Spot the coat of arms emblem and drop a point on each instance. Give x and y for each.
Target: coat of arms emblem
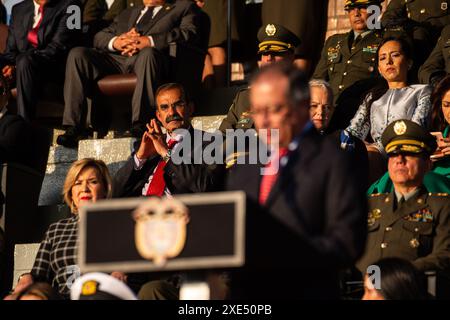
(160, 231)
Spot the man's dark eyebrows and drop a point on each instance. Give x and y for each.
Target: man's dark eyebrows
(163, 105)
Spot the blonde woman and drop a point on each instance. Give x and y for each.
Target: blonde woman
(88, 180)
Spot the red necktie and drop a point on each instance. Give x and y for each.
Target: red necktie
(32, 34)
(157, 185)
(271, 176)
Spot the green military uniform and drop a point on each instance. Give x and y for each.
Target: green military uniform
(413, 226)
(273, 38)
(431, 14)
(438, 63)
(348, 63)
(418, 231)
(238, 116)
(341, 66)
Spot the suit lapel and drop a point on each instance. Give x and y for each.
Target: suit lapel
(48, 15)
(133, 16)
(161, 13)
(345, 47)
(28, 16)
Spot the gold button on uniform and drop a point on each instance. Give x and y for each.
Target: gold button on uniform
(384, 245)
(341, 87)
(345, 73)
(422, 11)
(349, 61)
(388, 229)
(414, 243)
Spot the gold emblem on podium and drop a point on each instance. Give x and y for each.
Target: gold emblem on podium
(160, 231)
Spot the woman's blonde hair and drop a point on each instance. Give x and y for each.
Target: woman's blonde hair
(75, 171)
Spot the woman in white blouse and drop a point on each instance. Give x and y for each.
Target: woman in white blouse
(394, 98)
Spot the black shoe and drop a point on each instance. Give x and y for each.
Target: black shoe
(71, 138)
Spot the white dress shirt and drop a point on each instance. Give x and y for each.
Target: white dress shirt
(109, 3)
(37, 14)
(152, 43)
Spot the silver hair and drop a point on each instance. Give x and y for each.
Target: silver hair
(324, 85)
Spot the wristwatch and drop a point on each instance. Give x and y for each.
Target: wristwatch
(167, 156)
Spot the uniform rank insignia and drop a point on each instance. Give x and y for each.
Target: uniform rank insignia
(423, 215)
(374, 215)
(333, 53)
(371, 49)
(245, 118)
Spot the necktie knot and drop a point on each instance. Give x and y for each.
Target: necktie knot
(171, 143)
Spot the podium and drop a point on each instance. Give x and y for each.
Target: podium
(183, 233)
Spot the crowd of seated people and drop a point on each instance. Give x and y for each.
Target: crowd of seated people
(359, 175)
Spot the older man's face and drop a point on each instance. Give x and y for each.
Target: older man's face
(173, 111)
(358, 18)
(408, 169)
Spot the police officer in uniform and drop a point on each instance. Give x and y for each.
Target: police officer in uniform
(276, 43)
(348, 58)
(433, 15)
(437, 65)
(408, 223)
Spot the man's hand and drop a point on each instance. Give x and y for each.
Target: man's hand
(153, 142)
(137, 45)
(126, 39)
(157, 137)
(8, 71)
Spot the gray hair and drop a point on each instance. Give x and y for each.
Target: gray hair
(324, 85)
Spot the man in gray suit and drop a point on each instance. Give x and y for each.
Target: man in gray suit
(137, 41)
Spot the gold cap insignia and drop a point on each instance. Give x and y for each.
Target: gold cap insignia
(400, 128)
(89, 288)
(271, 30)
(444, 6)
(160, 231)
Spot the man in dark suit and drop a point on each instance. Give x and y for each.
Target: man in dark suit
(151, 169)
(306, 214)
(99, 14)
(137, 41)
(37, 44)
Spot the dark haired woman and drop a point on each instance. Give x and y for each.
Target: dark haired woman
(394, 98)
